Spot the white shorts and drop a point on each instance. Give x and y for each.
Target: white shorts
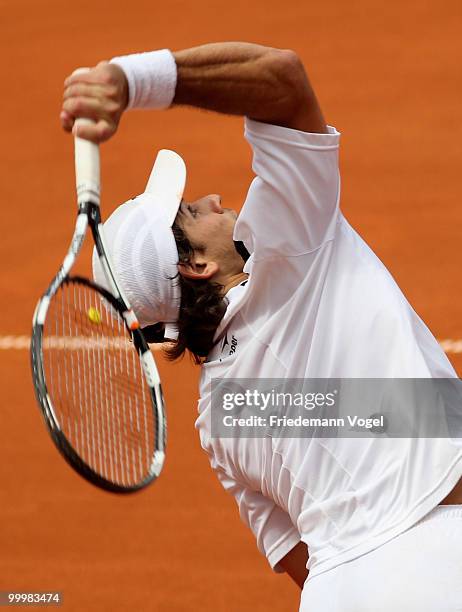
(418, 571)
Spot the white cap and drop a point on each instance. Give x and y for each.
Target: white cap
(142, 248)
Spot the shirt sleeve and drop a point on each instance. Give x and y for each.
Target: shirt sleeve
(292, 204)
(272, 527)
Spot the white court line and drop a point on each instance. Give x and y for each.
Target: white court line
(8, 343)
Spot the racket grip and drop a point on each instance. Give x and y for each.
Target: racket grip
(87, 168)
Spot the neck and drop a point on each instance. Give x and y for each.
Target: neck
(234, 280)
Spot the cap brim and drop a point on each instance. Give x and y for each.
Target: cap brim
(166, 183)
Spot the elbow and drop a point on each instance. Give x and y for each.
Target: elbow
(290, 82)
(290, 65)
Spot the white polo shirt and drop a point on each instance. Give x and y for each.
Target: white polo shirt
(319, 304)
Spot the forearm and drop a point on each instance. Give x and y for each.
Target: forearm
(238, 79)
(262, 83)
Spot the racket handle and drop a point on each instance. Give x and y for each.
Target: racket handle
(87, 168)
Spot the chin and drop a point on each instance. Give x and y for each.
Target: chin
(232, 212)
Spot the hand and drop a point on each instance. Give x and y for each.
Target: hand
(101, 94)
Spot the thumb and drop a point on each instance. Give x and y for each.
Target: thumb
(97, 132)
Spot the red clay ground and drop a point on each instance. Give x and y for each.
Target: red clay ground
(387, 78)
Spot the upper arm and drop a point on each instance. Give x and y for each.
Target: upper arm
(298, 107)
(292, 206)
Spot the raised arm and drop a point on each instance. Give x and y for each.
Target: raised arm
(262, 83)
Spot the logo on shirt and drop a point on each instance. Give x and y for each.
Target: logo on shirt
(229, 347)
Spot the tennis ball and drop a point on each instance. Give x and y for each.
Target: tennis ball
(94, 315)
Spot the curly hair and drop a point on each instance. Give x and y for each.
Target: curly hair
(202, 307)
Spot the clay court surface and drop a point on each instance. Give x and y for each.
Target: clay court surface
(387, 76)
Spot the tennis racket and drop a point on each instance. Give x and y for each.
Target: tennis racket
(95, 378)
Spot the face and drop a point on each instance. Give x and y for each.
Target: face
(209, 227)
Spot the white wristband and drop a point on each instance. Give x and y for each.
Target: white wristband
(151, 78)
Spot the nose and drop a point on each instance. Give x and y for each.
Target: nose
(215, 203)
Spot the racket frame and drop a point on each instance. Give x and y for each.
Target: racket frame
(87, 174)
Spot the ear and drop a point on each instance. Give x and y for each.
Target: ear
(198, 270)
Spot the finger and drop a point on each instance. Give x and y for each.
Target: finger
(78, 73)
(82, 70)
(79, 77)
(99, 74)
(88, 107)
(86, 90)
(67, 121)
(105, 129)
(97, 133)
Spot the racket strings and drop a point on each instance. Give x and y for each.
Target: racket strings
(96, 385)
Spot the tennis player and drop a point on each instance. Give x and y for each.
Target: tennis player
(287, 290)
